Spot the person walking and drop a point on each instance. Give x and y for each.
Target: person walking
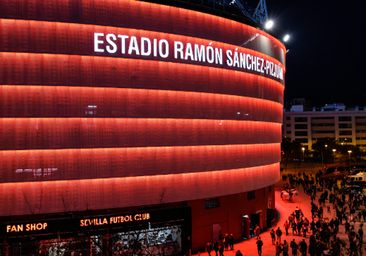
(259, 246)
(279, 234)
(231, 238)
(238, 253)
(257, 231)
(221, 248)
(278, 249)
(273, 236)
(294, 247)
(294, 226)
(226, 242)
(303, 247)
(287, 226)
(209, 248)
(285, 248)
(216, 247)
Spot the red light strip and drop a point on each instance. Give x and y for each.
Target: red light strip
(131, 191)
(137, 161)
(91, 71)
(53, 133)
(62, 101)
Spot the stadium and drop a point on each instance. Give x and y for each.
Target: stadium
(135, 125)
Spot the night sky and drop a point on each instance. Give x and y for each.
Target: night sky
(326, 57)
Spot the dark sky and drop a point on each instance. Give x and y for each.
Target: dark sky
(326, 61)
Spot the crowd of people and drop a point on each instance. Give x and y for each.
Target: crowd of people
(319, 234)
(324, 239)
(224, 243)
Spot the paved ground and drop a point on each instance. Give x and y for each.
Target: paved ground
(284, 208)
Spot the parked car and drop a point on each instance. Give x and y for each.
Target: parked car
(355, 189)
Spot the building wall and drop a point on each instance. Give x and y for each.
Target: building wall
(112, 104)
(228, 215)
(348, 127)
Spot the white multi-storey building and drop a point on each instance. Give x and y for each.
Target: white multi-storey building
(330, 121)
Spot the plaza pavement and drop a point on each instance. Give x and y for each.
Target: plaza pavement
(285, 208)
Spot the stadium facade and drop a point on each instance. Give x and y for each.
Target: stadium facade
(134, 125)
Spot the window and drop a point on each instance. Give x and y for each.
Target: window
(301, 126)
(301, 119)
(325, 131)
(344, 118)
(288, 125)
(360, 117)
(360, 124)
(360, 131)
(301, 133)
(346, 140)
(288, 132)
(346, 125)
(251, 195)
(288, 117)
(305, 140)
(212, 203)
(345, 132)
(269, 188)
(361, 138)
(321, 125)
(322, 117)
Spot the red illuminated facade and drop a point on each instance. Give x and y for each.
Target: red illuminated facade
(128, 104)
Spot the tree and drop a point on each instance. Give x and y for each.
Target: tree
(290, 150)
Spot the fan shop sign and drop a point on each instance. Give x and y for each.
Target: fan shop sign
(26, 227)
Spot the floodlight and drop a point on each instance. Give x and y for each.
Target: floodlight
(269, 24)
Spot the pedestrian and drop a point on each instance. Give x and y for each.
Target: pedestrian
(278, 249)
(304, 229)
(294, 228)
(360, 233)
(285, 248)
(209, 248)
(287, 226)
(221, 248)
(216, 246)
(238, 253)
(279, 234)
(259, 246)
(294, 247)
(273, 236)
(257, 231)
(346, 226)
(226, 241)
(231, 238)
(303, 247)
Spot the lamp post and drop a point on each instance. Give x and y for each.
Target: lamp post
(334, 150)
(326, 147)
(303, 154)
(349, 153)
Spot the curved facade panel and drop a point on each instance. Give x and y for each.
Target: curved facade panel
(110, 110)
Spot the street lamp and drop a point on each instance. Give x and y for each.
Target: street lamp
(334, 150)
(349, 153)
(303, 154)
(326, 146)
